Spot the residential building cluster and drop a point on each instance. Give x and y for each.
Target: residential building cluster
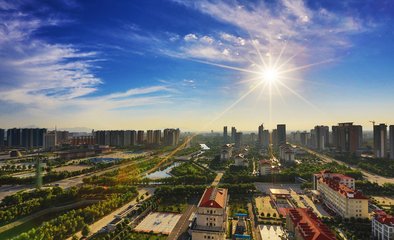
(124, 138)
(348, 138)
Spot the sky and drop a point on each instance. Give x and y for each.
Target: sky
(196, 65)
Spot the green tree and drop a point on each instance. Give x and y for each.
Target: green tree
(85, 230)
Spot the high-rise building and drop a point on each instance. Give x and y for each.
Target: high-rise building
(171, 136)
(149, 137)
(225, 134)
(157, 137)
(238, 140)
(391, 141)
(321, 137)
(233, 133)
(50, 140)
(2, 132)
(140, 137)
(380, 140)
(14, 137)
(260, 135)
(266, 138)
(304, 138)
(28, 137)
(133, 138)
(274, 138)
(281, 128)
(347, 137)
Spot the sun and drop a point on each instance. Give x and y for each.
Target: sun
(270, 75)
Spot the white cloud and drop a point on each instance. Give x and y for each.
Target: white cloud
(207, 39)
(286, 22)
(190, 37)
(45, 77)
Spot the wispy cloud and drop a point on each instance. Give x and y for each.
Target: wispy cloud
(270, 26)
(48, 76)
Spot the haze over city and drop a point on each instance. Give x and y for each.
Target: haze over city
(196, 65)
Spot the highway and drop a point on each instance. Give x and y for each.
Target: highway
(369, 176)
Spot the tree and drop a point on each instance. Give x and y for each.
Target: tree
(85, 230)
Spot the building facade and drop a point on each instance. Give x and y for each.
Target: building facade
(347, 137)
(380, 140)
(382, 226)
(321, 137)
(281, 128)
(211, 216)
(225, 134)
(339, 194)
(391, 141)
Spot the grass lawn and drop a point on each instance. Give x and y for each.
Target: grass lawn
(144, 236)
(172, 207)
(264, 206)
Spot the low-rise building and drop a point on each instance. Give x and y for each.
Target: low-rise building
(211, 216)
(303, 224)
(241, 160)
(286, 153)
(339, 194)
(227, 152)
(265, 167)
(382, 226)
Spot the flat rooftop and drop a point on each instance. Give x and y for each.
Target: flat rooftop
(158, 222)
(279, 191)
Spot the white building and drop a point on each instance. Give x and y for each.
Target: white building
(240, 160)
(226, 152)
(286, 153)
(339, 194)
(50, 140)
(382, 226)
(265, 167)
(211, 216)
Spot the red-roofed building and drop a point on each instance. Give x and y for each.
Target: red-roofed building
(211, 217)
(339, 194)
(303, 224)
(382, 226)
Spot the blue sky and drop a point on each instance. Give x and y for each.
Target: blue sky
(167, 63)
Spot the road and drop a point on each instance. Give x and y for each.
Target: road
(179, 231)
(64, 183)
(95, 227)
(216, 181)
(369, 176)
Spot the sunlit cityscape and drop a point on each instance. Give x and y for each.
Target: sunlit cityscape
(196, 120)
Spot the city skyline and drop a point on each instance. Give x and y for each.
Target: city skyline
(196, 65)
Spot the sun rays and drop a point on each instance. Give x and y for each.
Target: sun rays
(273, 75)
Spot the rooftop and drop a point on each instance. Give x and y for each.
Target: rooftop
(279, 191)
(384, 218)
(309, 225)
(214, 198)
(333, 180)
